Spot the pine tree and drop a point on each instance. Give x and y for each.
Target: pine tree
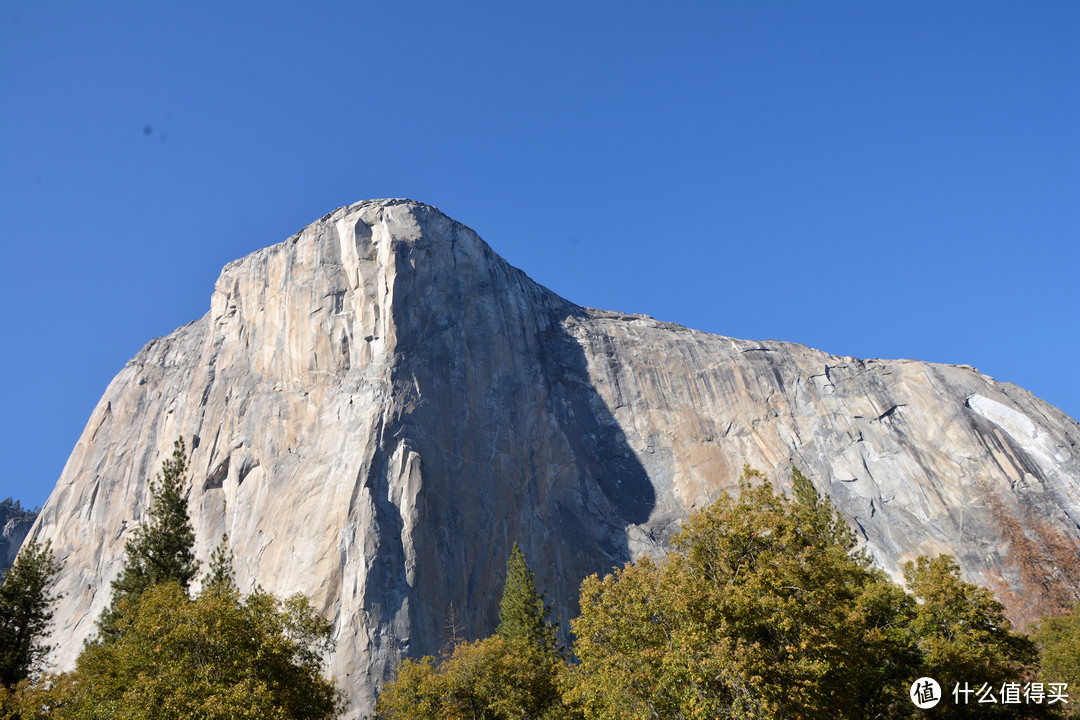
(221, 578)
(512, 674)
(522, 612)
(818, 518)
(162, 549)
(25, 611)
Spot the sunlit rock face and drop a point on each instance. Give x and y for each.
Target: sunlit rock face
(378, 407)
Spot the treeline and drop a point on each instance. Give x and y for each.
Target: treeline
(763, 609)
(10, 508)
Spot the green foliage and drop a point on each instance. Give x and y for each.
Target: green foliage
(209, 658)
(522, 611)
(221, 578)
(761, 610)
(162, 549)
(8, 711)
(764, 610)
(1059, 638)
(818, 515)
(491, 679)
(512, 674)
(962, 630)
(25, 611)
(215, 657)
(964, 637)
(13, 510)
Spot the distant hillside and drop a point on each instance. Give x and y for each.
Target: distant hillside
(15, 523)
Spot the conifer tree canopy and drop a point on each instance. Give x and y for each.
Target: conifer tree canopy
(221, 579)
(522, 611)
(162, 549)
(25, 611)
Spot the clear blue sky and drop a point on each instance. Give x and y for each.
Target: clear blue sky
(872, 179)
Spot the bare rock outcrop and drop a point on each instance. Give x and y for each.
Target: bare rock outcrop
(378, 407)
(15, 524)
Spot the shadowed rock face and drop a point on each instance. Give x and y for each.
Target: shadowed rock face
(15, 524)
(378, 407)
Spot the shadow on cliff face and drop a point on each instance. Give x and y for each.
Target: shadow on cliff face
(543, 464)
(598, 444)
(514, 444)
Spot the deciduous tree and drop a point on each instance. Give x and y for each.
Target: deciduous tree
(215, 657)
(512, 674)
(490, 679)
(1059, 640)
(965, 639)
(763, 609)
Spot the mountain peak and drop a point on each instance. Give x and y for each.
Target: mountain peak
(378, 407)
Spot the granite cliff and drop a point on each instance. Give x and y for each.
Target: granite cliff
(15, 523)
(378, 407)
